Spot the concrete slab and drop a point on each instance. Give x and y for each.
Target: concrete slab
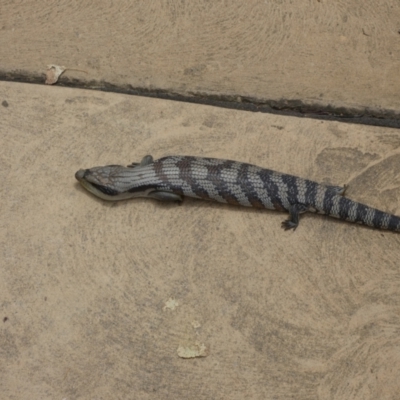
(343, 54)
(103, 300)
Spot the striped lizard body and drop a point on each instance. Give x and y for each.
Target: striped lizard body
(226, 181)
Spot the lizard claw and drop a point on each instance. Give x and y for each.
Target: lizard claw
(288, 224)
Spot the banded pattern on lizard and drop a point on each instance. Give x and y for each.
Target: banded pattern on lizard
(225, 181)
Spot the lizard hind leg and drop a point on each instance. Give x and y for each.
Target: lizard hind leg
(340, 190)
(294, 212)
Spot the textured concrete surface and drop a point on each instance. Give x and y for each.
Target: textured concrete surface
(102, 301)
(340, 53)
(142, 300)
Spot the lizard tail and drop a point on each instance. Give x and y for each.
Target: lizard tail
(348, 210)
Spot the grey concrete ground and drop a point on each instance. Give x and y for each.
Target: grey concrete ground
(340, 53)
(106, 301)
